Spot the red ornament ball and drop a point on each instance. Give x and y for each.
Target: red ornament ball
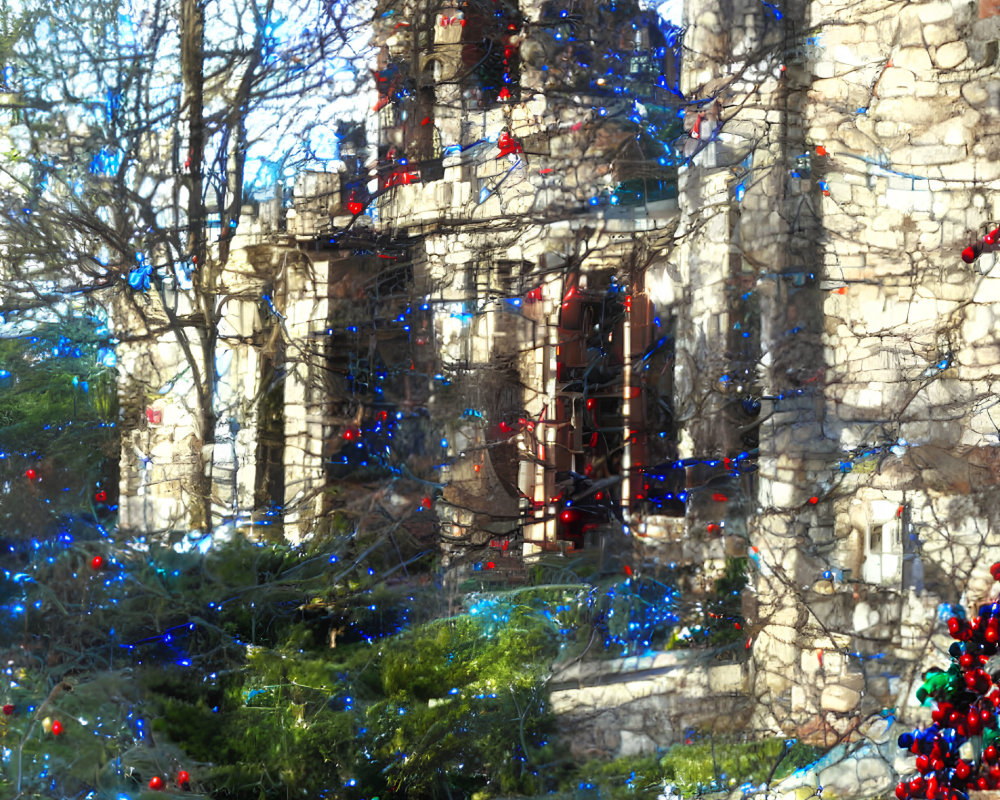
(8, 709)
(96, 563)
(156, 783)
(183, 778)
(971, 253)
(101, 496)
(57, 728)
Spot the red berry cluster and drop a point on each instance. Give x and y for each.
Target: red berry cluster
(157, 784)
(966, 702)
(988, 244)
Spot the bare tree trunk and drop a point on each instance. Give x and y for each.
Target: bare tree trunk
(192, 31)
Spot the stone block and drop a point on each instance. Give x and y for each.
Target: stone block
(914, 59)
(896, 82)
(938, 11)
(950, 55)
(927, 89)
(782, 494)
(975, 93)
(955, 132)
(945, 155)
(987, 290)
(830, 90)
(936, 35)
(824, 69)
(903, 108)
(987, 170)
(839, 699)
(909, 30)
(887, 129)
(961, 171)
(979, 325)
(725, 679)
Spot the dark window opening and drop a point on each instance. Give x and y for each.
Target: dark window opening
(489, 51)
(590, 434)
(645, 171)
(269, 482)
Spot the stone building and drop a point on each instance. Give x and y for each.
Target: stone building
(311, 349)
(847, 153)
(539, 187)
(681, 308)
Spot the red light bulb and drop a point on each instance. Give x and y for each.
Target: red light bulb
(96, 563)
(156, 783)
(57, 728)
(8, 709)
(183, 779)
(30, 474)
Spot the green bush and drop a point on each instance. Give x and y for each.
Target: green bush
(714, 764)
(58, 410)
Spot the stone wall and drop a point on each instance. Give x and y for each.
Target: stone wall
(855, 158)
(641, 705)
